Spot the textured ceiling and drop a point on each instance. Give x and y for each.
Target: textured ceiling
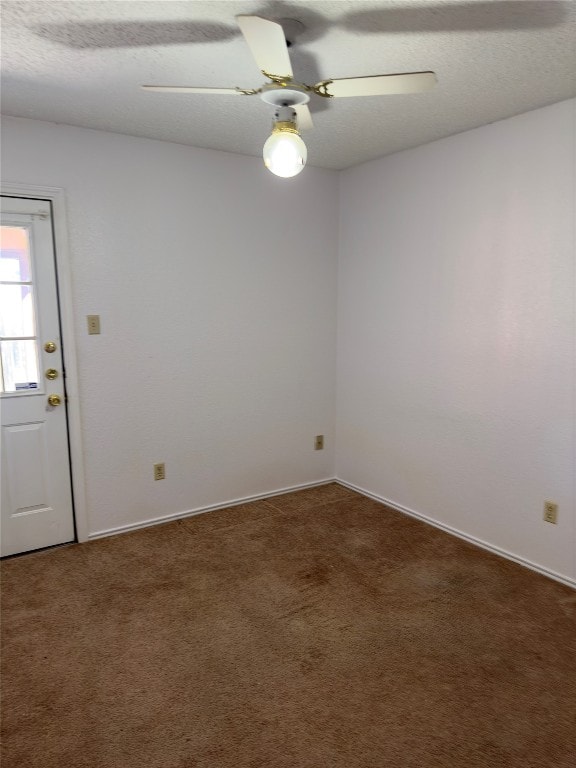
(82, 62)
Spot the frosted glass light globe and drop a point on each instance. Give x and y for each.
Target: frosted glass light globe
(285, 154)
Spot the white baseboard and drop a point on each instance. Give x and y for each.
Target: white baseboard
(461, 535)
(405, 510)
(201, 510)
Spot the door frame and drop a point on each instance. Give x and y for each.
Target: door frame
(56, 196)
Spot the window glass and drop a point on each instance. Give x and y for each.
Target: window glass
(18, 332)
(16, 310)
(15, 255)
(19, 365)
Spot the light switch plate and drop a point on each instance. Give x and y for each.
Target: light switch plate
(551, 512)
(93, 324)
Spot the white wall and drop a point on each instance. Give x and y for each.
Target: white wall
(216, 286)
(456, 333)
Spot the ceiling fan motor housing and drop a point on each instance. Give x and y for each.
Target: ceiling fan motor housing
(284, 96)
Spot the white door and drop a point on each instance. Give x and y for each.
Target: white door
(36, 490)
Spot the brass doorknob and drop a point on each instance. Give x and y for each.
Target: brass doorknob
(54, 400)
(50, 346)
(51, 373)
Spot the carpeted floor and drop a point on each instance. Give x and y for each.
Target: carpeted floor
(313, 630)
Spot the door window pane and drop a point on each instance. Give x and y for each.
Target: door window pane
(15, 255)
(17, 311)
(19, 365)
(19, 356)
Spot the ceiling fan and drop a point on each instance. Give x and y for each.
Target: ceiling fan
(284, 152)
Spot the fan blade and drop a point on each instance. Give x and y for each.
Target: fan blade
(267, 44)
(186, 89)
(304, 118)
(379, 85)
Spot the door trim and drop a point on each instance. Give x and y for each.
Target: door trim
(56, 196)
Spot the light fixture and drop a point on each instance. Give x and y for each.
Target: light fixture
(284, 151)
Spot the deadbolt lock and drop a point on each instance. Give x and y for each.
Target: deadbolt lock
(54, 400)
(51, 374)
(50, 346)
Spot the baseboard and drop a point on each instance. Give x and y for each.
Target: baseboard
(394, 505)
(461, 535)
(201, 510)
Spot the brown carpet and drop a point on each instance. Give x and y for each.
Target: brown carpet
(312, 630)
